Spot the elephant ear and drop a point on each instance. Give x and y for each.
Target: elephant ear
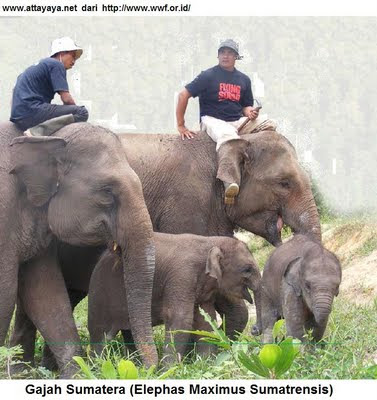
(35, 162)
(292, 275)
(232, 157)
(213, 266)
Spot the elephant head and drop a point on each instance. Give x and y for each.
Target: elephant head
(316, 276)
(275, 190)
(92, 196)
(235, 271)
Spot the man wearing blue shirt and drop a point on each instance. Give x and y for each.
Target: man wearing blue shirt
(36, 87)
(226, 102)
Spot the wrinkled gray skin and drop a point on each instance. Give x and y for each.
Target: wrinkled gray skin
(183, 196)
(190, 271)
(79, 187)
(299, 283)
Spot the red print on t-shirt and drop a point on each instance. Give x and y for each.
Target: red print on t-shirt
(228, 91)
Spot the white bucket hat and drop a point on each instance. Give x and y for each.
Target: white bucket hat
(65, 44)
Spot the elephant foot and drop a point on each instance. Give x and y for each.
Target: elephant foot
(19, 368)
(49, 363)
(148, 354)
(168, 360)
(69, 371)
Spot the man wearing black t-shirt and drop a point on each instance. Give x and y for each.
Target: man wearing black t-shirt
(226, 102)
(36, 87)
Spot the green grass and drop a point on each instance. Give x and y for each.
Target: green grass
(368, 247)
(349, 347)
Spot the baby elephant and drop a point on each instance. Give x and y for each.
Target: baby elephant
(190, 271)
(299, 283)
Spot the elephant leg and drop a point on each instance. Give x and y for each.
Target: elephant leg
(48, 359)
(44, 298)
(268, 317)
(128, 340)
(293, 311)
(23, 334)
(181, 318)
(100, 335)
(8, 293)
(200, 324)
(235, 313)
(97, 340)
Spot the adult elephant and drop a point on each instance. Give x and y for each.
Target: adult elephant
(79, 187)
(183, 196)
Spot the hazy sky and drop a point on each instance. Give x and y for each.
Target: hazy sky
(316, 76)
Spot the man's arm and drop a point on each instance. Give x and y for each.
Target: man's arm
(251, 112)
(183, 98)
(67, 98)
(247, 99)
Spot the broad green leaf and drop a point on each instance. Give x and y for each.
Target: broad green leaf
(269, 355)
(296, 343)
(278, 326)
(167, 373)
(290, 349)
(108, 370)
(217, 342)
(127, 370)
(84, 367)
(290, 346)
(199, 333)
(253, 364)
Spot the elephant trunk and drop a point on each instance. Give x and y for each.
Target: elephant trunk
(303, 218)
(134, 236)
(322, 303)
(257, 328)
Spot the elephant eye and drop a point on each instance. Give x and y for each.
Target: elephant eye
(247, 270)
(285, 184)
(307, 285)
(105, 196)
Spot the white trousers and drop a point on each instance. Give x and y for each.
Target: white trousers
(221, 131)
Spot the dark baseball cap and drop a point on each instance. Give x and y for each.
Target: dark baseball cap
(230, 44)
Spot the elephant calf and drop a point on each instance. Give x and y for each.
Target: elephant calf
(299, 283)
(190, 271)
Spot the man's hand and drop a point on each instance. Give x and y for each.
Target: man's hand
(251, 112)
(185, 133)
(183, 99)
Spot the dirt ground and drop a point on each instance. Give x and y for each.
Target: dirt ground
(355, 244)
